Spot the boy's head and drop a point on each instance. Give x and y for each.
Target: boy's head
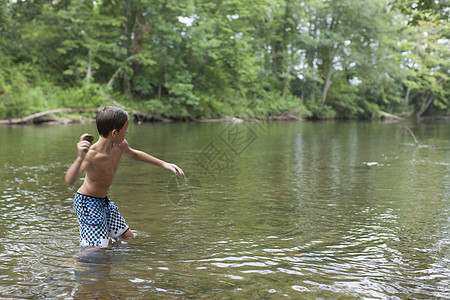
(110, 118)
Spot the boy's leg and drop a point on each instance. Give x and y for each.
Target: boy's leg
(117, 225)
(127, 235)
(92, 220)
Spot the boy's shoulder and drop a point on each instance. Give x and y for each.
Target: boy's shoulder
(97, 153)
(124, 145)
(93, 154)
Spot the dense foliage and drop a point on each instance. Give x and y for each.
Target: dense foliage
(247, 58)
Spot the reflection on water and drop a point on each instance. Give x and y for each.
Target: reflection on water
(92, 271)
(298, 210)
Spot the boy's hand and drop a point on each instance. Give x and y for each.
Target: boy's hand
(174, 169)
(83, 146)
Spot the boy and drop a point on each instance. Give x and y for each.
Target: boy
(98, 217)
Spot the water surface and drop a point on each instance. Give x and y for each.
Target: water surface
(295, 210)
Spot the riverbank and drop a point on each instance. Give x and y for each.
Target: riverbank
(54, 117)
(138, 118)
(65, 116)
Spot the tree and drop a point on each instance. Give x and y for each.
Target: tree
(422, 10)
(426, 59)
(199, 58)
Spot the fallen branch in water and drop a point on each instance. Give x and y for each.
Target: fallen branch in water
(416, 142)
(391, 116)
(41, 117)
(34, 118)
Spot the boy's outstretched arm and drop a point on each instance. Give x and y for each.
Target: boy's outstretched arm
(145, 157)
(76, 169)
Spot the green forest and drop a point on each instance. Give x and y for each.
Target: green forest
(198, 59)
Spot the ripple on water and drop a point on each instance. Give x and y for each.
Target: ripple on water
(361, 265)
(35, 226)
(321, 224)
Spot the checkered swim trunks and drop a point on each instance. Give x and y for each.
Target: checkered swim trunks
(99, 220)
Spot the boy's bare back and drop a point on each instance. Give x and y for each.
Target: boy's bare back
(101, 167)
(101, 160)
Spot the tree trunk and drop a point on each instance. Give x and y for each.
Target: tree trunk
(408, 91)
(111, 80)
(127, 23)
(428, 100)
(89, 67)
(160, 83)
(274, 62)
(327, 83)
(127, 47)
(286, 81)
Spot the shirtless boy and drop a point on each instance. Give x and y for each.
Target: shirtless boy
(98, 217)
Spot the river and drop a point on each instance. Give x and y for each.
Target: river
(301, 210)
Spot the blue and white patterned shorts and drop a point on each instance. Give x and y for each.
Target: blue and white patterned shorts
(99, 220)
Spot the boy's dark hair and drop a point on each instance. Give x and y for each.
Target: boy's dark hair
(110, 118)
